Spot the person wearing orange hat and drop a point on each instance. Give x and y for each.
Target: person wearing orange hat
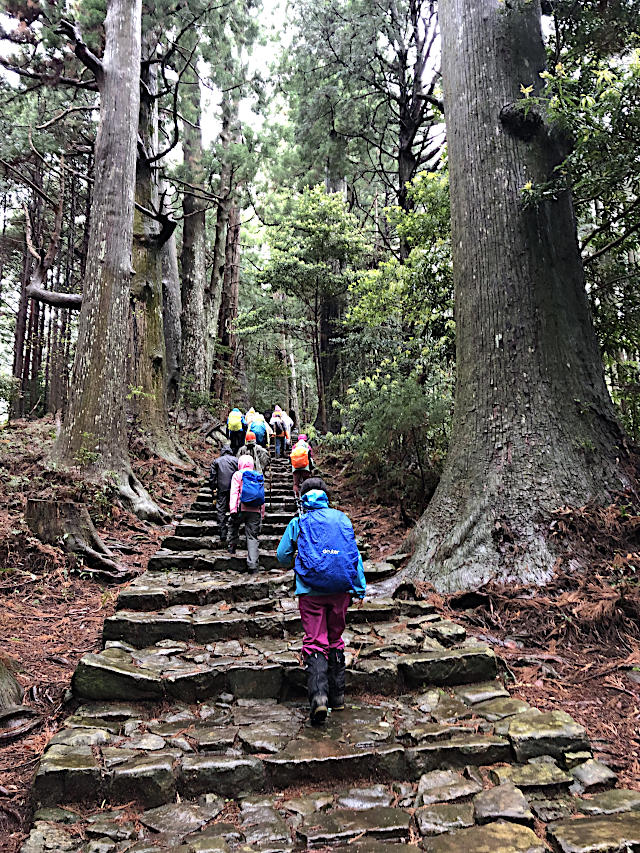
(260, 456)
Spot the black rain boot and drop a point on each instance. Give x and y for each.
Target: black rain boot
(337, 672)
(317, 686)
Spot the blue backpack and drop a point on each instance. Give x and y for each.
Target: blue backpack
(327, 558)
(252, 492)
(259, 429)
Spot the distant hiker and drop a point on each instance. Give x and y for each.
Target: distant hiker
(236, 428)
(247, 505)
(293, 429)
(301, 463)
(329, 572)
(259, 427)
(260, 456)
(290, 422)
(220, 473)
(279, 426)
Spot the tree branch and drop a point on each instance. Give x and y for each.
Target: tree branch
(48, 78)
(36, 289)
(81, 50)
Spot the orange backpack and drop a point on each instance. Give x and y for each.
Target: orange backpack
(300, 456)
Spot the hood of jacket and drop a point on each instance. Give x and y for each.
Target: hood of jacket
(227, 451)
(315, 499)
(245, 463)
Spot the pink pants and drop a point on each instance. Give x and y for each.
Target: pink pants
(323, 619)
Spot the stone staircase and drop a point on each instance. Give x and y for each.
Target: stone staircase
(191, 733)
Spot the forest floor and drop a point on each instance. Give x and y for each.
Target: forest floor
(560, 656)
(572, 646)
(50, 613)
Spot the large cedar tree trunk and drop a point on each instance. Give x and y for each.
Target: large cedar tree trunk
(534, 427)
(171, 311)
(227, 338)
(93, 435)
(214, 292)
(194, 363)
(148, 362)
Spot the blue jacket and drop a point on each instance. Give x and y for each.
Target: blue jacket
(314, 499)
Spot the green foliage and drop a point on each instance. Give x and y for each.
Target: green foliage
(88, 452)
(591, 100)
(315, 248)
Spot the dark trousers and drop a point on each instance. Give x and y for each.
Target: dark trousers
(237, 439)
(222, 512)
(299, 476)
(252, 526)
(280, 440)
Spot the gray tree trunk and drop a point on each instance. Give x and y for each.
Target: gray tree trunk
(214, 293)
(194, 362)
(228, 340)
(148, 361)
(93, 435)
(171, 312)
(534, 427)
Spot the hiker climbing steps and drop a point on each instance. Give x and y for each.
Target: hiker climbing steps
(193, 717)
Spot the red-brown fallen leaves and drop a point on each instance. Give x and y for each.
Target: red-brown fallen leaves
(50, 616)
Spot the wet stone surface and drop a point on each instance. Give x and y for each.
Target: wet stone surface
(193, 735)
(617, 833)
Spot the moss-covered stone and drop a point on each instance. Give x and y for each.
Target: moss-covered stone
(616, 833)
(343, 824)
(443, 817)
(551, 733)
(542, 776)
(610, 802)
(498, 837)
(504, 802)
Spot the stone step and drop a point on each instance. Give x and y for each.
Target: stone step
(376, 818)
(265, 666)
(208, 560)
(157, 589)
(283, 489)
(217, 621)
(212, 543)
(196, 529)
(197, 515)
(150, 754)
(278, 505)
(125, 753)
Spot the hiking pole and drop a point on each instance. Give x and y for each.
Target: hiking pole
(270, 488)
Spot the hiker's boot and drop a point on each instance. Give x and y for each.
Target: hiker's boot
(231, 548)
(317, 686)
(337, 673)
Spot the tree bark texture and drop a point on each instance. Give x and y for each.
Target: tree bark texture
(213, 294)
(93, 435)
(10, 690)
(331, 310)
(534, 426)
(227, 338)
(147, 363)
(69, 523)
(194, 362)
(171, 311)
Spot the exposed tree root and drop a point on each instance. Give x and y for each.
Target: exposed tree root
(138, 500)
(66, 522)
(10, 690)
